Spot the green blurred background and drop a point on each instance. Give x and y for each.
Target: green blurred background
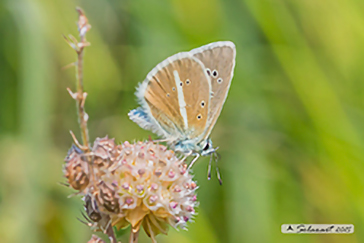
(291, 133)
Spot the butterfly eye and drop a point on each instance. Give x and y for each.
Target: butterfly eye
(207, 146)
(214, 73)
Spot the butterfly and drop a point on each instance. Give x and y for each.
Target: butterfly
(182, 97)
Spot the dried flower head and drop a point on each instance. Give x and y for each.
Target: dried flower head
(141, 184)
(95, 239)
(76, 169)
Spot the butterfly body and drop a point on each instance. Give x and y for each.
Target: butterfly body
(182, 97)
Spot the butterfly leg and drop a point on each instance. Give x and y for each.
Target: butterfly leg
(186, 155)
(193, 161)
(160, 140)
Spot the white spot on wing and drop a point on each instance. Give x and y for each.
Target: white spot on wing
(181, 98)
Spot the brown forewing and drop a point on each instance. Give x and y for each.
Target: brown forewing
(196, 89)
(162, 97)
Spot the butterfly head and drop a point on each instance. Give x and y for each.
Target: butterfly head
(189, 146)
(207, 148)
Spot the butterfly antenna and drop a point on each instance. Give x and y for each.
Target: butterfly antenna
(209, 169)
(217, 167)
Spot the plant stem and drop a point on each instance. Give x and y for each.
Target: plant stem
(134, 236)
(110, 232)
(81, 96)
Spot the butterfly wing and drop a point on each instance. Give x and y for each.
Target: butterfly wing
(171, 98)
(219, 61)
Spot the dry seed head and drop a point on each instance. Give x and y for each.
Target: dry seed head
(95, 239)
(76, 169)
(97, 220)
(141, 184)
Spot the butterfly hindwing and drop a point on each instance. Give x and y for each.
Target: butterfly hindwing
(219, 61)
